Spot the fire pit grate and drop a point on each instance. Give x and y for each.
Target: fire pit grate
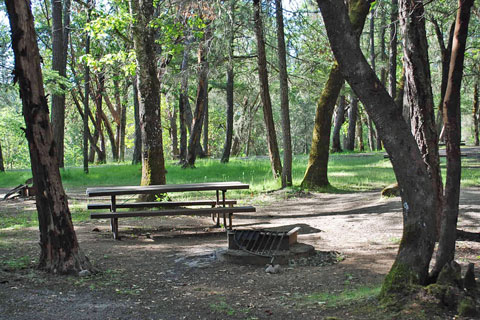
(262, 243)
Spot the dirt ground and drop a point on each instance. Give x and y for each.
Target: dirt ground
(166, 268)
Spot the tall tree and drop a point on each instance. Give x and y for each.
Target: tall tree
(183, 103)
(452, 122)
(60, 252)
(86, 130)
(137, 144)
(418, 92)
(339, 120)
(59, 64)
(153, 163)
(475, 113)
(392, 57)
(230, 82)
(2, 166)
(283, 75)
(352, 123)
(418, 201)
(265, 91)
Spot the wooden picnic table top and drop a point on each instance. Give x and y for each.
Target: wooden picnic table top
(124, 190)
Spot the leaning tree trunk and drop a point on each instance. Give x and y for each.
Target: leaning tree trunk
(60, 252)
(339, 120)
(418, 203)
(418, 93)
(153, 163)
(316, 173)
(452, 122)
(283, 76)
(265, 92)
(352, 122)
(59, 65)
(475, 113)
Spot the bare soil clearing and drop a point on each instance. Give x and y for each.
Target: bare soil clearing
(166, 268)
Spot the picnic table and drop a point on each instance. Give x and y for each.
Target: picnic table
(216, 207)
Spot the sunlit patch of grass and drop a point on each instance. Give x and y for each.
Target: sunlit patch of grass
(348, 296)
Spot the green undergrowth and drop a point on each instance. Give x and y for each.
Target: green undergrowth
(344, 298)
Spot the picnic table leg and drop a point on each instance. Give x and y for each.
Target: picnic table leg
(114, 221)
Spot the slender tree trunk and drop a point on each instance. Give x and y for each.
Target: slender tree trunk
(418, 93)
(59, 64)
(452, 121)
(153, 163)
(123, 123)
(205, 122)
(2, 166)
(392, 57)
(283, 76)
(352, 122)
(418, 201)
(230, 82)
(371, 129)
(102, 156)
(137, 145)
(195, 133)
(339, 120)
(316, 173)
(265, 92)
(86, 109)
(475, 112)
(359, 132)
(60, 252)
(183, 106)
(371, 134)
(174, 131)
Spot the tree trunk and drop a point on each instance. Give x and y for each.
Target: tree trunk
(452, 121)
(98, 98)
(339, 120)
(371, 134)
(123, 123)
(265, 92)
(2, 166)
(283, 77)
(230, 82)
(371, 129)
(392, 57)
(419, 206)
(418, 93)
(475, 112)
(174, 131)
(317, 167)
(137, 145)
(60, 252)
(183, 107)
(86, 109)
(153, 163)
(205, 122)
(59, 64)
(359, 132)
(198, 118)
(352, 122)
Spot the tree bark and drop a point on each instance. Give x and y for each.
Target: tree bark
(359, 132)
(339, 120)
(418, 93)
(205, 121)
(86, 109)
(419, 205)
(185, 124)
(123, 123)
(153, 163)
(174, 131)
(265, 92)
(352, 123)
(317, 167)
(475, 113)
(137, 145)
(2, 166)
(98, 135)
(371, 130)
(198, 118)
(283, 77)
(392, 57)
(452, 122)
(59, 64)
(60, 251)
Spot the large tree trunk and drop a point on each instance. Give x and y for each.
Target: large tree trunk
(198, 118)
(137, 144)
(475, 113)
(265, 92)
(452, 122)
(352, 123)
(317, 167)
(339, 120)
(59, 64)
(153, 163)
(419, 205)
(283, 76)
(418, 93)
(60, 252)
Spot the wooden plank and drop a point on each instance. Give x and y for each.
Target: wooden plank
(172, 212)
(156, 189)
(97, 206)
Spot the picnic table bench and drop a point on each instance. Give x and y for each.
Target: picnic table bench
(217, 207)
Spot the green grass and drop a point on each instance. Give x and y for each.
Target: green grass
(346, 297)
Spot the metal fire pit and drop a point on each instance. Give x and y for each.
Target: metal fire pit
(264, 246)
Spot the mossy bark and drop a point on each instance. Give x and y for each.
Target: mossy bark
(316, 173)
